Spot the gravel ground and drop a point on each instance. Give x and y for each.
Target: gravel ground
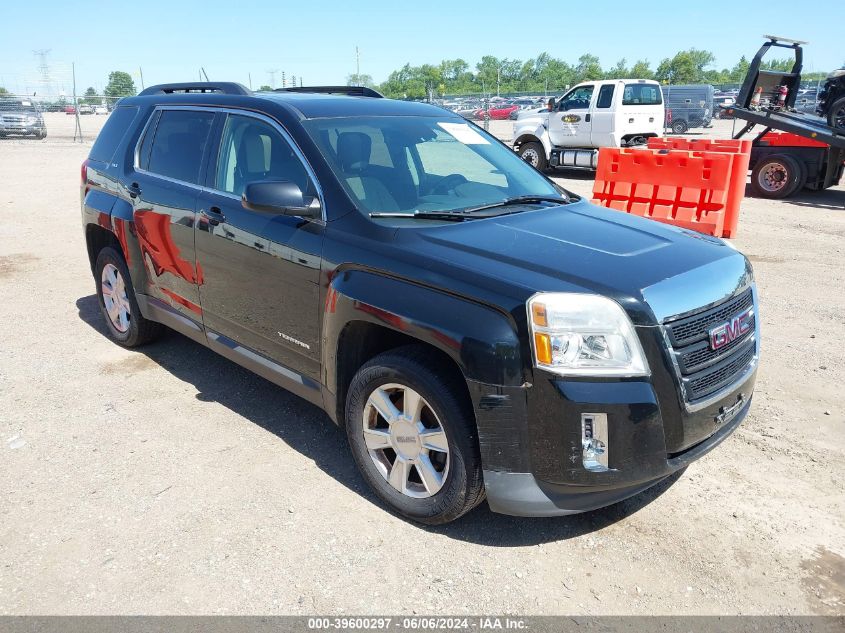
(170, 481)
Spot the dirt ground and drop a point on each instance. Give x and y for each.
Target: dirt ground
(170, 481)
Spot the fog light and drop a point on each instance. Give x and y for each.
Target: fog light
(594, 441)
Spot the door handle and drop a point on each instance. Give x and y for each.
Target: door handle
(134, 190)
(214, 215)
(587, 118)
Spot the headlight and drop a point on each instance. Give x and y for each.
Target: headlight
(31, 120)
(584, 335)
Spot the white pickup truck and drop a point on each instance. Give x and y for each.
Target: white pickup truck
(610, 113)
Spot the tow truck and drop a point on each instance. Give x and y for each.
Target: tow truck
(794, 150)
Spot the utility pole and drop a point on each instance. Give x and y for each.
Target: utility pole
(498, 79)
(357, 64)
(272, 74)
(43, 66)
(141, 74)
(284, 81)
(250, 80)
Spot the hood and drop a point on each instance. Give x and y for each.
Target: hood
(584, 248)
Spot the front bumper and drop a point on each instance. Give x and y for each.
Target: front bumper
(522, 494)
(22, 129)
(531, 440)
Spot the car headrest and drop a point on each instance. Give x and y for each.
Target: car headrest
(253, 156)
(353, 150)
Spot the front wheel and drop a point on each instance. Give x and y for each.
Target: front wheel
(533, 154)
(836, 114)
(679, 126)
(413, 436)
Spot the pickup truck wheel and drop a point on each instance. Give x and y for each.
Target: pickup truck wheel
(413, 437)
(679, 126)
(836, 115)
(533, 154)
(124, 321)
(777, 176)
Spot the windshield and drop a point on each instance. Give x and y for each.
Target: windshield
(16, 105)
(419, 164)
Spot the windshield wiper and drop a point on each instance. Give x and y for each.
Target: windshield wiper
(516, 200)
(452, 216)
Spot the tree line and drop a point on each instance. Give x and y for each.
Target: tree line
(545, 73)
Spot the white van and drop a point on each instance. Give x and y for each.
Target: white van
(609, 113)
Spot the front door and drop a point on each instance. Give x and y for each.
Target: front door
(260, 291)
(570, 123)
(164, 186)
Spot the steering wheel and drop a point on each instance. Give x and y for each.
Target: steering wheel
(447, 184)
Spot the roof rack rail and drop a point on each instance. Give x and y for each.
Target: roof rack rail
(225, 87)
(352, 91)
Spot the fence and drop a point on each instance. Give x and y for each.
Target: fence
(65, 118)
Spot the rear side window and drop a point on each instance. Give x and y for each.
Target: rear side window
(112, 133)
(641, 94)
(605, 96)
(179, 143)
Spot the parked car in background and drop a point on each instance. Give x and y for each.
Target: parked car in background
(496, 112)
(722, 100)
(21, 117)
(69, 109)
(86, 109)
(101, 109)
(688, 106)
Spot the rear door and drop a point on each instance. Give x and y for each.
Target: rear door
(601, 133)
(163, 187)
(260, 289)
(570, 124)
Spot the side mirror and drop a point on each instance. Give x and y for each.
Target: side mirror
(279, 197)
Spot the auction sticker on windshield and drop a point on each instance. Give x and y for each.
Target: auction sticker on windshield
(464, 133)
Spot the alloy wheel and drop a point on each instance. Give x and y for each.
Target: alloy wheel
(406, 440)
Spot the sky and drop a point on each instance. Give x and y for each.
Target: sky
(241, 41)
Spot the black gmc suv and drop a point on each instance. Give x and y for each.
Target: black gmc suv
(475, 328)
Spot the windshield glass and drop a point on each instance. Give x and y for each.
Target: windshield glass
(419, 164)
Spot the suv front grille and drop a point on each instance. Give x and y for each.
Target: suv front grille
(703, 370)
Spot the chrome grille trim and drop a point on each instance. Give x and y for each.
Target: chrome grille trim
(711, 376)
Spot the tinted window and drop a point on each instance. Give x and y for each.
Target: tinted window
(179, 142)
(251, 151)
(112, 133)
(641, 94)
(605, 96)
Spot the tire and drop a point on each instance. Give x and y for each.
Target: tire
(454, 483)
(679, 126)
(777, 176)
(836, 114)
(134, 329)
(534, 154)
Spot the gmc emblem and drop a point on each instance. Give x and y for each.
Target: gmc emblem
(726, 333)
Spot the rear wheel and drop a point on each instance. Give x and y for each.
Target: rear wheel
(125, 323)
(413, 436)
(836, 115)
(777, 176)
(533, 154)
(679, 126)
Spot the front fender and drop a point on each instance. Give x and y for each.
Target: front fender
(481, 340)
(532, 129)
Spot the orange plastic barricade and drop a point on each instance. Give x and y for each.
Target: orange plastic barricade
(740, 149)
(688, 189)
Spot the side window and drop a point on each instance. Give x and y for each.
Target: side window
(605, 99)
(252, 150)
(179, 143)
(641, 94)
(578, 99)
(147, 143)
